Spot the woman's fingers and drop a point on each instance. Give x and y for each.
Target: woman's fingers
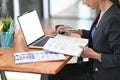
(61, 29)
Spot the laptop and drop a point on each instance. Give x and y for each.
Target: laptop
(32, 29)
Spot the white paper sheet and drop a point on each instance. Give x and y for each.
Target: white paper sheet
(66, 44)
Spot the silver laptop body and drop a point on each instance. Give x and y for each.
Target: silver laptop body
(32, 29)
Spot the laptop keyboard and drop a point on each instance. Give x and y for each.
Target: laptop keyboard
(42, 42)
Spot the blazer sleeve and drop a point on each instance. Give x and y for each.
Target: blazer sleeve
(85, 34)
(112, 31)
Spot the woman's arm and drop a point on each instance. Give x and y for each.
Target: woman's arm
(113, 33)
(62, 28)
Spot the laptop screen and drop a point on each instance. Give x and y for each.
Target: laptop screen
(31, 26)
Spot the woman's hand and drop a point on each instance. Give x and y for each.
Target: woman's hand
(90, 53)
(61, 29)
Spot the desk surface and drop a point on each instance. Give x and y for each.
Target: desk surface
(7, 59)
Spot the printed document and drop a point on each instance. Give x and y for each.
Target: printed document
(66, 44)
(37, 56)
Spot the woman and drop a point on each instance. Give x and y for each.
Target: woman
(103, 48)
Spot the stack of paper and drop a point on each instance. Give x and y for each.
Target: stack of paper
(66, 44)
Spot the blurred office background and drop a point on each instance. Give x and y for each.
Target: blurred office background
(51, 13)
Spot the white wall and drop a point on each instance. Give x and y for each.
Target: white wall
(45, 9)
(16, 11)
(59, 5)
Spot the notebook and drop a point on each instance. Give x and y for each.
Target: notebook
(32, 29)
(67, 45)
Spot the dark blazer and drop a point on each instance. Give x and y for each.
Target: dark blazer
(106, 40)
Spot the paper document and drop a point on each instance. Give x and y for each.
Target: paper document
(66, 44)
(37, 56)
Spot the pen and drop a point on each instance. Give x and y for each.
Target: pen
(71, 28)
